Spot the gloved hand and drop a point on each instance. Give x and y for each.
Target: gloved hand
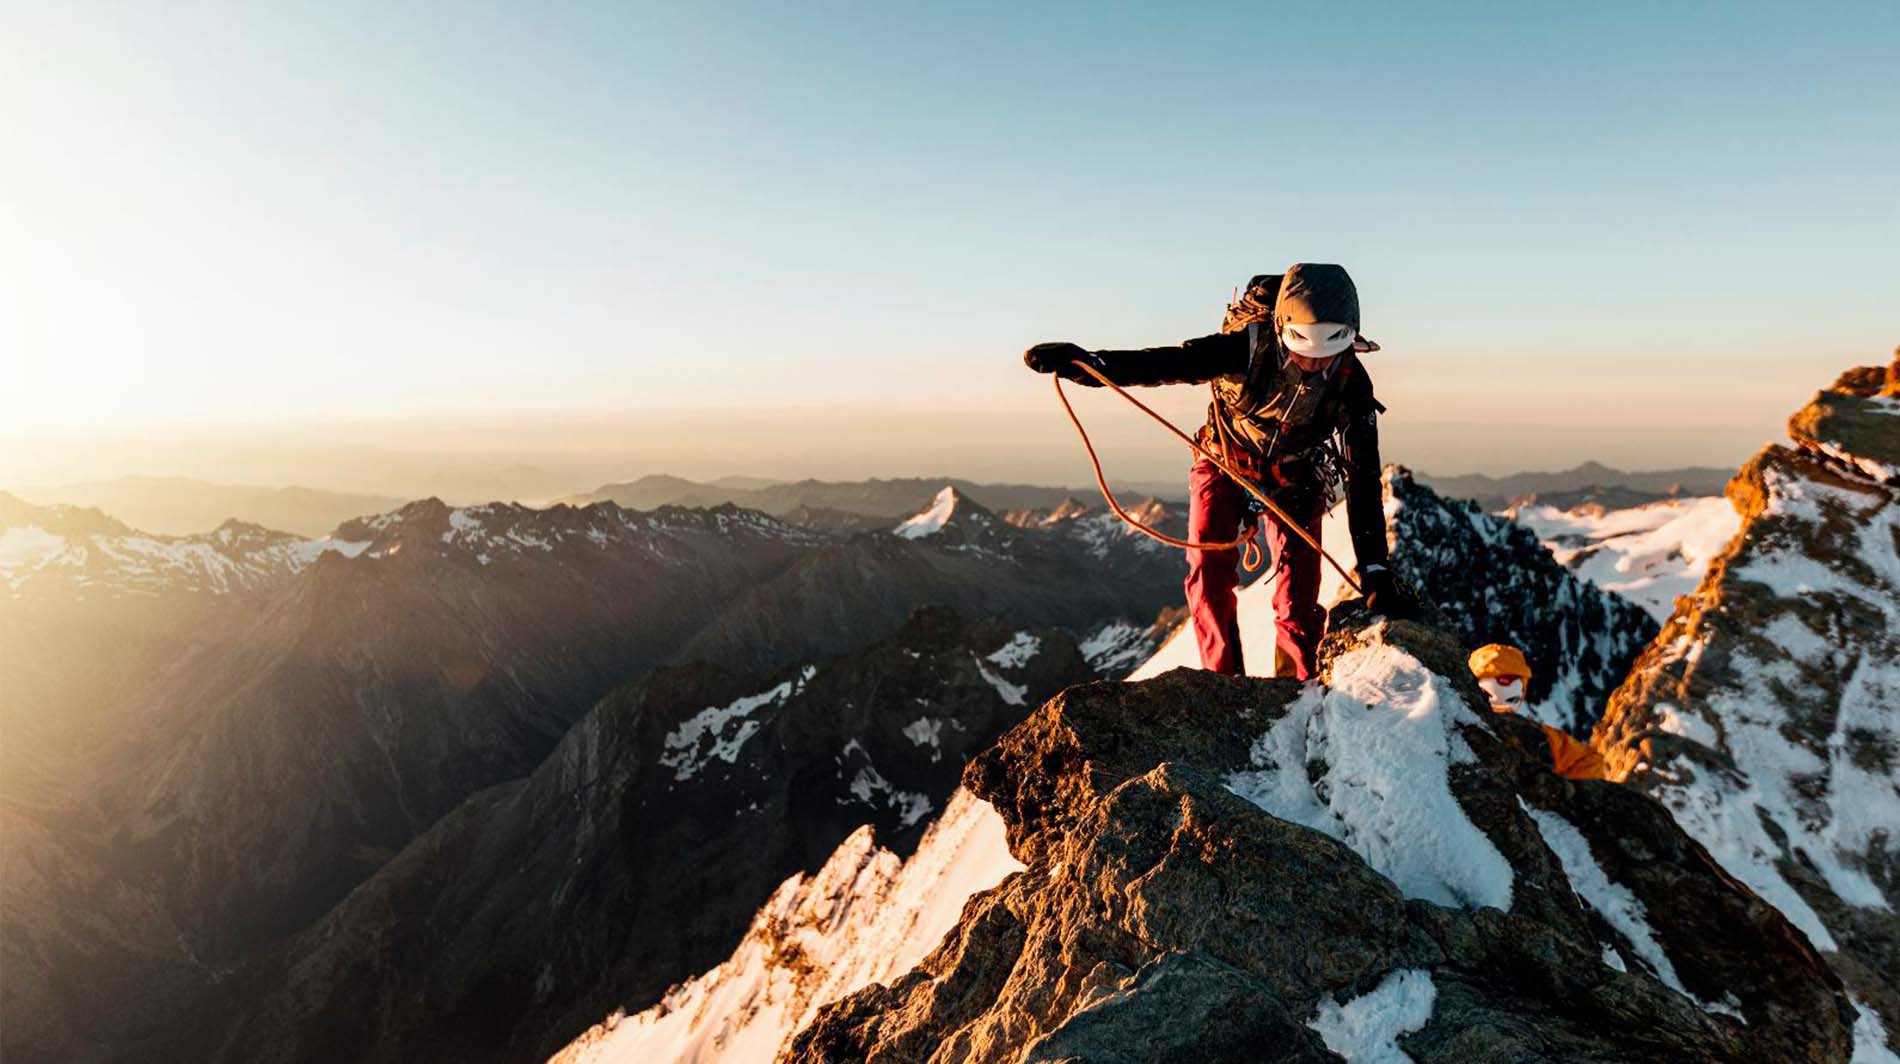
(1384, 597)
(1059, 358)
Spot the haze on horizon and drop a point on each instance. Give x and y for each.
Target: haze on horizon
(389, 250)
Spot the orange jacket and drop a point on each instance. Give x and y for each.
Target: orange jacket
(1571, 759)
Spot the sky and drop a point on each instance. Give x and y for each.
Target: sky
(347, 242)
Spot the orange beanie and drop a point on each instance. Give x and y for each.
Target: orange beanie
(1495, 659)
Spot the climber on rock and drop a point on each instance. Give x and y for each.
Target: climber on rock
(1292, 409)
(1504, 674)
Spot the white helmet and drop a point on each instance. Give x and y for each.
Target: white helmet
(1321, 339)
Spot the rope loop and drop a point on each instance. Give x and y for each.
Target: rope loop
(1251, 555)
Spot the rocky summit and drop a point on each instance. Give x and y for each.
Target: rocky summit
(1226, 869)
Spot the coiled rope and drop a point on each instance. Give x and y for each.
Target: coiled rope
(1251, 555)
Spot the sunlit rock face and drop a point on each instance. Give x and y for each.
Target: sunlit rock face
(1767, 714)
(1237, 869)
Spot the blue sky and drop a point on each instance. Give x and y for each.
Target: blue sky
(1569, 222)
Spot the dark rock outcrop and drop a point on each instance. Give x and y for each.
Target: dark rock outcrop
(1494, 582)
(1222, 869)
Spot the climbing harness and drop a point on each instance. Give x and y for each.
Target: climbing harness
(1250, 557)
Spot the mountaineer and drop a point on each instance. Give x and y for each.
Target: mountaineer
(1503, 673)
(1293, 410)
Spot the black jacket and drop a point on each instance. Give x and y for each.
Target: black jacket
(1349, 408)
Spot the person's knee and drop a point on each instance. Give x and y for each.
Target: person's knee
(1211, 569)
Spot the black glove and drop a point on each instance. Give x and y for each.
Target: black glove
(1383, 595)
(1060, 358)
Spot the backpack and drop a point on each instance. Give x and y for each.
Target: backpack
(1253, 306)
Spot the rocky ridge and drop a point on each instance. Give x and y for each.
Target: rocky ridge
(70, 552)
(1222, 869)
(1766, 716)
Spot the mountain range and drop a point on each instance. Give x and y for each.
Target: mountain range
(1588, 482)
(180, 506)
(276, 718)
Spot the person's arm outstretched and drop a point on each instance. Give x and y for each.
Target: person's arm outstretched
(1365, 495)
(1195, 361)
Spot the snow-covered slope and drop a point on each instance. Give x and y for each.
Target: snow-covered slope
(1766, 716)
(1649, 554)
(864, 917)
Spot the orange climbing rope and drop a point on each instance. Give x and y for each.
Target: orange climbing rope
(1251, 556)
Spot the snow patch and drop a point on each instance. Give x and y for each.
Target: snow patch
(1688, 726)
(1018, 651)
(1367, 762)
(1613, 901)
(870, 787)
(26, 548)
(1115, 647)
(1366, 1029)
(1870, 1037)
(1013, 693)
(705, 735)
(926, 731)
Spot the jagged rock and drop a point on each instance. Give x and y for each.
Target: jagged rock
(1856, 421)
(1497, 583)
(1224, 869)
(1766, 715)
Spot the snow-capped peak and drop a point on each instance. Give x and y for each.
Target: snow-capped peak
(933, 517)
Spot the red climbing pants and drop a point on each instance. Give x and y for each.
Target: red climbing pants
(1216, 508)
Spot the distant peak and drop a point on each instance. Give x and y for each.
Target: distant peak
(932, 518)
(1068, 508)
